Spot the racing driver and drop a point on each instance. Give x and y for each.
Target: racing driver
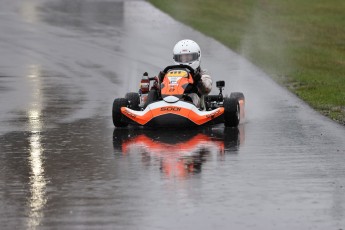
(187, 52)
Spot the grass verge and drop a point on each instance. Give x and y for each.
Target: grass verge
(299, 43)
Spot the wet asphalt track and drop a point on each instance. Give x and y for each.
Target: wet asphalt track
(63, 166)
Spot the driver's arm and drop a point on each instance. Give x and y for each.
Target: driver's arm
(161, 76)
(197, 77)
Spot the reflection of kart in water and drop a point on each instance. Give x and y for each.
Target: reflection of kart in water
(170, 104)
(178, 153)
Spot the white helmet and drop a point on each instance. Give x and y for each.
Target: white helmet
(187, 52)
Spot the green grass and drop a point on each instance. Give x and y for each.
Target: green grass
(299, 43)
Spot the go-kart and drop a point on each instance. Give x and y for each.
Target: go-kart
(169, 103)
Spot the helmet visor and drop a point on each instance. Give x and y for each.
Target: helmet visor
(186, 58)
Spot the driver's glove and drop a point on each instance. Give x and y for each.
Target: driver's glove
(161, 76)
(197, 77)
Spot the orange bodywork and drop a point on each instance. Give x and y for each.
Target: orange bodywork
(175, 81)
(142, 120)
(199, 120)
(180, 111)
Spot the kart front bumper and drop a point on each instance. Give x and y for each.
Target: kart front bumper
(179, 114)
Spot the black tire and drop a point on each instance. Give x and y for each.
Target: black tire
(231, 112)
(237, 95)
(134, 100)
(152, 96)
(117, 115)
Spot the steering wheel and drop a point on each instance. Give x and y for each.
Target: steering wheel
(191, 70)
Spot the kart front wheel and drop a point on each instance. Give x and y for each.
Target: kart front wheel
(117, 115)
(231, 112)
(134, 100)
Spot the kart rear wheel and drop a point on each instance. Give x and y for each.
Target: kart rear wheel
(117, 115)
(241, 100)
(231, 112)
(237, 95)
(134, 100)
